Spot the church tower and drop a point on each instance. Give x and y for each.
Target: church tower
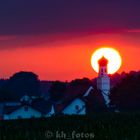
(103, 80)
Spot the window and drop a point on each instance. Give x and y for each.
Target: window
(26, 108)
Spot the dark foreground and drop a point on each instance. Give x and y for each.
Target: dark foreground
(104, 126)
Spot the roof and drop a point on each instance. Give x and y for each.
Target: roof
(96, 95)
(40, 105)
(76, 90)
(103, 61)
(73, 92)
(93, 98)
(96, 100)
(10, 109)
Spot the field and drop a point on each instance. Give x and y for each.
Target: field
(103, 126)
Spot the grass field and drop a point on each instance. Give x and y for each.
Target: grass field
(103, 126)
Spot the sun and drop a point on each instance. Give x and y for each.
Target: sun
(113, 57)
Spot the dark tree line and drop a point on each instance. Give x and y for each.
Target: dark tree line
(57, 90)
(126, 95)
(20, 84)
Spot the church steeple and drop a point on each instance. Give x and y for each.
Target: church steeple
(103, 81)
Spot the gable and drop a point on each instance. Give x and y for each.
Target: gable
(75, 107)
(25, 110)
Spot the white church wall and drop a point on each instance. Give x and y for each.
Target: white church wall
(103, 83)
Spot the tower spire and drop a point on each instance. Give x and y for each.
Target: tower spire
(103, 61)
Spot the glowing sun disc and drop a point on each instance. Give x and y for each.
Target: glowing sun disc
(113, 57)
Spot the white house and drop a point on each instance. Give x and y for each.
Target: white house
(22, 112)
(29, 109)
(76, 106)
(92, 98)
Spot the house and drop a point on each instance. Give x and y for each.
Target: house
(29, 109)
(20, 112)
(79, 104)
(76, 106)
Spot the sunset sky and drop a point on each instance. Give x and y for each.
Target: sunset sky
(55, 39)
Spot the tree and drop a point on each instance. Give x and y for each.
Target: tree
(126, 94)
(84, 82)
(57, 90)
(21, 83)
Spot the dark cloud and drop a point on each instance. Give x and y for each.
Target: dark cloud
(31, 17)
